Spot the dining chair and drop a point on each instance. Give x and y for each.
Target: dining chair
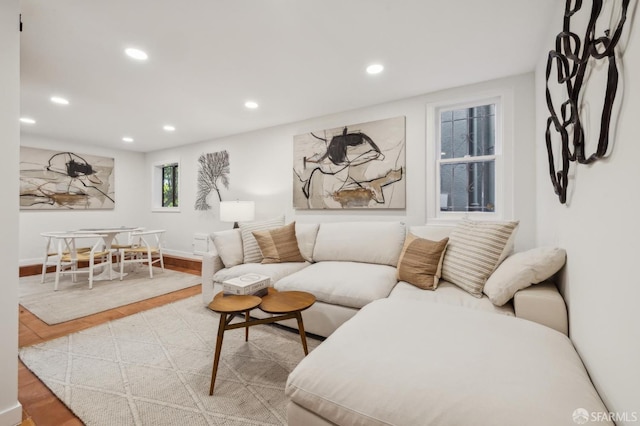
(123, 241)
(146, 248)
(70, 258)
(51, 252)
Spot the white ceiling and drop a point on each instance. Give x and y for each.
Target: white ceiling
(297, 58)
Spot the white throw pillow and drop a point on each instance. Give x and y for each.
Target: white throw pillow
(228, 244)
(520, 270)
(250, 247)
(306, 234)
(475, 250)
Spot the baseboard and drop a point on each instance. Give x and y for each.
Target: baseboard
(11, 416)
(169, 260)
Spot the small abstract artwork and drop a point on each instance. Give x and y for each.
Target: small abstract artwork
(63, 180)
(358, 166)
(213, 173)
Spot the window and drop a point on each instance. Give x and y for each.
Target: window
(170, 185)
(466, 172)
(165, 186)
(467, 164)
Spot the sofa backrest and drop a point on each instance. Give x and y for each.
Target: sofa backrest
(431, 232)
(368, 242)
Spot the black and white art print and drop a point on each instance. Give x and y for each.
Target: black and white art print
(213, 174)
(64, 180)
(357, 166)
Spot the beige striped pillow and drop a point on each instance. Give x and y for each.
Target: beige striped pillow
(279, 245)
(420, 261)
(250, 247)
(474, 251)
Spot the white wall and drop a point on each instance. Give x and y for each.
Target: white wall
(130, 209)
(10, 409)
(599, 229)
(261, 165)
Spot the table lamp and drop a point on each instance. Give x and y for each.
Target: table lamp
(237, 211)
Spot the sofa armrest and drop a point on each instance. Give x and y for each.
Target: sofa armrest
(542, 303)
(211, 263)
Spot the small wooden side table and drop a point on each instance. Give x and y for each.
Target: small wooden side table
(285, 305)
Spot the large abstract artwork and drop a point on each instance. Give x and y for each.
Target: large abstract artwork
(213, 172)
(351, 167)
(61, 180)
(577, 60)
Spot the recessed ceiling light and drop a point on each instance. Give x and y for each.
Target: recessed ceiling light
(58, 100)
(136, 54)
(375, 69)
(169, 128)
(251, 104)
(27, 120)
(127, 139)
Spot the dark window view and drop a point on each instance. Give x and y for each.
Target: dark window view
(467, 176)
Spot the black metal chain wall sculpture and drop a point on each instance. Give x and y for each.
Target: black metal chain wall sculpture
(572, 58)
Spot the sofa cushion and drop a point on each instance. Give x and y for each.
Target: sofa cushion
(274, 270)
(350, 284)
(397, 362)
(474, 251)
(228, 244)
(368, 242)
(448, 294)
(250, 247)
(306, 234)
(431, 232)
(279, 245)
(420, 261)
(520, 270)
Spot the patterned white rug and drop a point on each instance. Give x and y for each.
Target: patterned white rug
(154, 368)
(76, 300)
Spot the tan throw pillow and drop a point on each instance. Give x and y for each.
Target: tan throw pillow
(420, 261)
(475, 250)
(279, 245)
(250, 248)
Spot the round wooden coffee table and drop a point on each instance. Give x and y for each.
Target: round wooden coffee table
(284, 305)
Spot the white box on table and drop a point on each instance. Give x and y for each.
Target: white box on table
(246, 284)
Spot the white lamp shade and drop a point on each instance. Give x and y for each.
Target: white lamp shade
(237, 211)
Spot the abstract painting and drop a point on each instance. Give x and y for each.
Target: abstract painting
(62, 180)
(213, 172)
(358, 166)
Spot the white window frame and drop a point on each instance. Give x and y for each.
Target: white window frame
(503, 169)
(156, 186)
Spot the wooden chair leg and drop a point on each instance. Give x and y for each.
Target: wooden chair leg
(216, 357)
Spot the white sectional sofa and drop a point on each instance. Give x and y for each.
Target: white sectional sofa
(398, 354)
(352, 264)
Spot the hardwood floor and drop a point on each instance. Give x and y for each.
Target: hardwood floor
(39, 405)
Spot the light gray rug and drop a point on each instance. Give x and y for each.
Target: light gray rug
(154, 368)
(76, 300)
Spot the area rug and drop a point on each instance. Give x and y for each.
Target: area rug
(76, 300)
(154, 368)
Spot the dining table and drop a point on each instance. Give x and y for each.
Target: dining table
(110, 235)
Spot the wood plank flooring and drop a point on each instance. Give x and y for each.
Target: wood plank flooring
(39, 405)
